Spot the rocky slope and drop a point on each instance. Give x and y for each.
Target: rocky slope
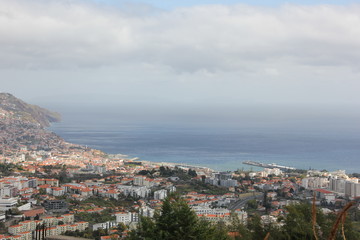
(23, 125)
(10, 105)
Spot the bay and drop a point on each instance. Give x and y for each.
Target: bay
(316, 143)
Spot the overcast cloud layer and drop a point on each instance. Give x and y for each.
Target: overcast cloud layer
(211, 53)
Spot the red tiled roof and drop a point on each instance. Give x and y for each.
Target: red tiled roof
(33, 213)
(322, 191)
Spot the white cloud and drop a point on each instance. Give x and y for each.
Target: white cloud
(65, 34)
(237, 53)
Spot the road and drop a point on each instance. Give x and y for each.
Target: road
(242, 201)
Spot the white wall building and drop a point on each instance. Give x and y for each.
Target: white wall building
(273, 171)
(160, 194)
(7, 203)
(219, 214)
(127, 217)
(228, 183)
(105, 225)
(146, 211)
(135, 191)
(337, 185)
(352, 189)
(8, 191)
(315, 182)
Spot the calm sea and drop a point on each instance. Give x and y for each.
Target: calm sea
(318, 142)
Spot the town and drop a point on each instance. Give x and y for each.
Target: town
(93, 195)
(52, 188)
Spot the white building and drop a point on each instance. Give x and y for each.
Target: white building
(58, 191)
(337, 185)
(7, 203)
(212, 181)
(208, 210)
(219, 214)
(126, 217)
(2, 216)
(105, 225)
(8, 191)
(26, 206)
(139, 180)
(160, 194)
(352, 189)
(228, 183)
(146, 211)
(328, 196)
(273, 171)
(315, 182)
(135, 191)
(144, 181)
(171, 188)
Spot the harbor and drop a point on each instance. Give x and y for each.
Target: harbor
(268, 165)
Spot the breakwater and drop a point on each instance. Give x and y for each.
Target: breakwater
(268, 165)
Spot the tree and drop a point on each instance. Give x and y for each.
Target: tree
(121, 227)
(176, 221)
(15, 211)
(144, 172)
(63, 176)
(252, 204)
(192, 173)
(266, 202)
(256, 228)
(238, 227)
(298, 224)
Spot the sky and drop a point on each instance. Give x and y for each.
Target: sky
(173, 4)
(179, 54)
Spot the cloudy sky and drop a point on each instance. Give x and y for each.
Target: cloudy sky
(154, 53)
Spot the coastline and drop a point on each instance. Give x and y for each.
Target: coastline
(181, 165)
(220, 149)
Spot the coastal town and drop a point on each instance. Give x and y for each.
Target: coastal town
(49, 187)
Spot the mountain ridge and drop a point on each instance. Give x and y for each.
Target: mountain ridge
(27, 112)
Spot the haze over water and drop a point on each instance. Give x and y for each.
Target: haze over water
(221, 139)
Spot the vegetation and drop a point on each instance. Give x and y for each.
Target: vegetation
(176, 221)
(104, 216)
(7, 169)
(107, 202)
(298, 224)
(252, 204)
(147, 172)
(96, 234)
(201, 187)
(85, 234)
(177, 172)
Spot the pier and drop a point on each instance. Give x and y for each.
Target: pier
(268, 165)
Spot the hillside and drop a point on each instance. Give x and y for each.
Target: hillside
(23, 125)
(10, 105)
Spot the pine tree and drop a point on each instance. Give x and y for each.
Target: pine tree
(176, 221)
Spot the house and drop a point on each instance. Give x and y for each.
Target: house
(7, 203)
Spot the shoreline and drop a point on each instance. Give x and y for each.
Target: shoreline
(223, 163)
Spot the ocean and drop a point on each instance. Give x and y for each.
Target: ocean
(307, 141)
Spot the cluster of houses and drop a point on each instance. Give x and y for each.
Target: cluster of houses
(149, 193)
(49, 226)
(329, 185)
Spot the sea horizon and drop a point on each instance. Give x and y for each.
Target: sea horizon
(307, 143)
